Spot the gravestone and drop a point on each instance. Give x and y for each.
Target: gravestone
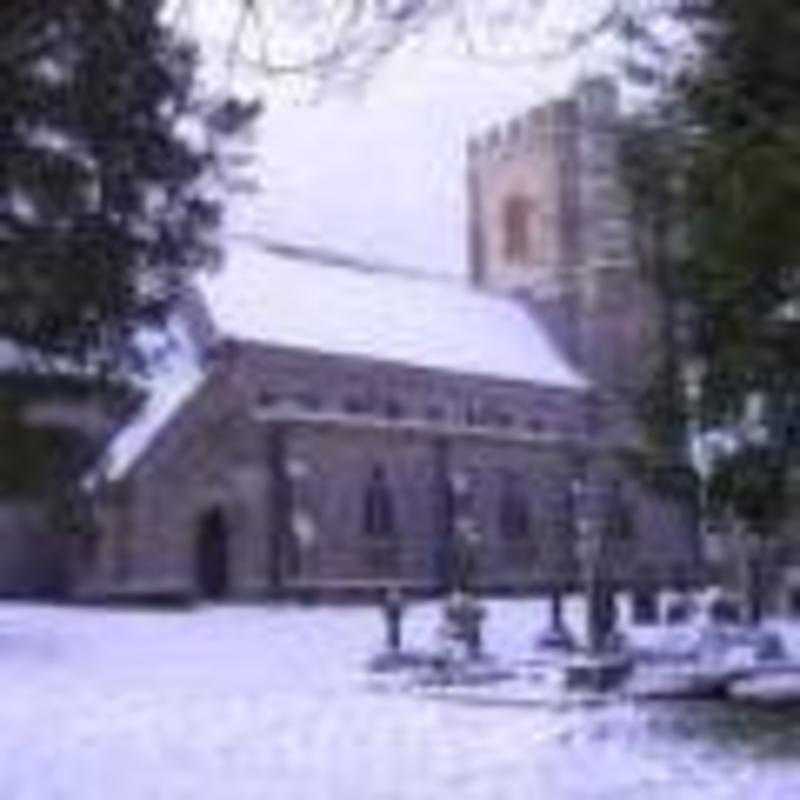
(725, 610)
(601, 614)
(394, 656)
(463, 622)
(393, 615)
(645, 606)
(556, 636)
(680, 610)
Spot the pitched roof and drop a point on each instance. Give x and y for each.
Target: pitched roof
(337, 306)
(285, 296)
(176, 376)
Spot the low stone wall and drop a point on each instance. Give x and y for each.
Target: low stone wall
(31, 555)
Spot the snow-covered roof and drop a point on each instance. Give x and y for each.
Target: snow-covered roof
(175, 375)
(277, 298)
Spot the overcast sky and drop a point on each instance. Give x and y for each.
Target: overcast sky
(379, 172)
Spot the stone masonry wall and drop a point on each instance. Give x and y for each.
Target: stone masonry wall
(219, 453)
(215, 453)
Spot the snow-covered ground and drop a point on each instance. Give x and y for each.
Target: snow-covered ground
(273, 702)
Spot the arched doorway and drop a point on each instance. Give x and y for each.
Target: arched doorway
(211, 555)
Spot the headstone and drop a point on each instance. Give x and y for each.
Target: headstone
(473, 634)
(394, 657)
(770, 647)
(602, 613)
(393, 614)
(463, 621)
(645, 606)
(755, 605)
(594, 617)
(608, 612)
(679, 610)
(556, 636)
(597, 673)
(724, 609)
(555, 639)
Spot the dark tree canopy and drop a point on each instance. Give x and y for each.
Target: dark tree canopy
(104, 147)
(730, 184)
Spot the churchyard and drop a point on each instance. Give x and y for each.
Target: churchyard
(254, 701)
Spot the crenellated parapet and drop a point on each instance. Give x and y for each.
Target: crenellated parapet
(548, 218)
(524, 133)
(593, 106)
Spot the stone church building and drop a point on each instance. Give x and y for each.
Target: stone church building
(328, 425)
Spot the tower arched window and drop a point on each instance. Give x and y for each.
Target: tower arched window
(378, 509)
(517, 240)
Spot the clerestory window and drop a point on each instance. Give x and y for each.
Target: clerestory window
(378, 510)
(514, 514)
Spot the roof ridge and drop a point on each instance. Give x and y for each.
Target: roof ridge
(320, 255)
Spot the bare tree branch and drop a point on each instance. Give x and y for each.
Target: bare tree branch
(325, 42)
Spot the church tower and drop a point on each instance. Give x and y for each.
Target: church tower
(547, 222)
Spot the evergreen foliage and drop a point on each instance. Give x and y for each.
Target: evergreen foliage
(743, 190)
(106, 203)
(753, 483)
(35, 458)
(715, 176)
(104, 145)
